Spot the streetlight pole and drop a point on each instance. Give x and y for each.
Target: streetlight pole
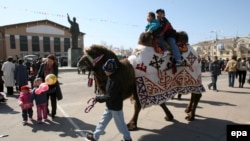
(215, 41)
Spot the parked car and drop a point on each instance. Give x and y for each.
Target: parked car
(30, 58)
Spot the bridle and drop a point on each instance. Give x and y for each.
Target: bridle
(93, 63)
(96, 60)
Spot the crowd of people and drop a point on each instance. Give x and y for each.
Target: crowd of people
(19, 74)
(236, 68)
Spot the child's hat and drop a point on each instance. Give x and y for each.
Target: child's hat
(25, 88)
(110, 65)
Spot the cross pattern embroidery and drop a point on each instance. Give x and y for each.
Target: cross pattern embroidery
(156, 62)
(191, 58)
(141, 67)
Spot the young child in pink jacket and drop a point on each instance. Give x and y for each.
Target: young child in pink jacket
(24, 102)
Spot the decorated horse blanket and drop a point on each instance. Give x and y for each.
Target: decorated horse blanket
(158, 80)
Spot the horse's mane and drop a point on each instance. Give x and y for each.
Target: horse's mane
(97, 50)
(182, 36)
(145, 39)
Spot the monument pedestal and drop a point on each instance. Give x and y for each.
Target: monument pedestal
(73, 55)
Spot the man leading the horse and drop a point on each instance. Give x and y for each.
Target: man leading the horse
(114, 103)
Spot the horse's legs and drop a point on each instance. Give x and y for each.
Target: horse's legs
(196, 99)
(132, 125)
(190, 104)
(169, 116)
(179, 96)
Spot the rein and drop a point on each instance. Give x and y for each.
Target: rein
(89, 107)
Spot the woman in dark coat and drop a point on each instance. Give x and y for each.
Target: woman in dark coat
(50, 66)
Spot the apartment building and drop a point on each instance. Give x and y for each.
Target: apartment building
(224, 48)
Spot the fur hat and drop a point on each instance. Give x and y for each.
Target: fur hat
(110, 65)
(25, 88)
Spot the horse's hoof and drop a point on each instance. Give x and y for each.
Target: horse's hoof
(187, 110)
(169, 118)
(132, 127)
(189, 117)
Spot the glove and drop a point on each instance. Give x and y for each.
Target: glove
(101, 99)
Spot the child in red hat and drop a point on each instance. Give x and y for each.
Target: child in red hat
(24, 103)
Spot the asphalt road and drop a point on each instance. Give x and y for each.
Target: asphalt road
(214, 112)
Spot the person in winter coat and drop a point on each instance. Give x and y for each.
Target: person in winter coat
(24, 103)
(1, 77)
(153, 24)
(50, 66)
(231, 68)
(21, 74)
(40, 98)
(215, 70)
(242, 72)
(114, 103)
(8, 69)
(166, 31)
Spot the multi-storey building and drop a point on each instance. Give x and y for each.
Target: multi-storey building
(37, 37)
(224, 48)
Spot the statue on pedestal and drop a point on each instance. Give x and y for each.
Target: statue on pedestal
(74, 30)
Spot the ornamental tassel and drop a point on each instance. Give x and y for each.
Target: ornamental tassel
(91, 77)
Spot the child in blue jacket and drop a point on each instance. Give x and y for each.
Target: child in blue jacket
(40, 98)
(153, 23)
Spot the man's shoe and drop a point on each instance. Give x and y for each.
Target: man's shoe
(165, 54)
(209, 87)
(90, 137)
(24, 122)
(178, 63)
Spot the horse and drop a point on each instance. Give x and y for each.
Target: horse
(97, 55)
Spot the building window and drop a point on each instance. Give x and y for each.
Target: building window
(12, 42)
(66, 44)
(23, 43)
(46, 44)
(57, 47)
(35, 43)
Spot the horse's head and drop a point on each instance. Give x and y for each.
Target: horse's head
(146, 39)
(85, 63)
(94, 59)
